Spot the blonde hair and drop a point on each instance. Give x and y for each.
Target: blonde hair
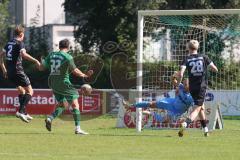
(19, 29)
(193, 45)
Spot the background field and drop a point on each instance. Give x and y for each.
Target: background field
(31, 141)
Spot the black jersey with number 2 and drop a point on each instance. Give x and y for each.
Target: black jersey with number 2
(197, 64)
(13, 56)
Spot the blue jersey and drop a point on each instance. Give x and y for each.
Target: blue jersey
(177, 105)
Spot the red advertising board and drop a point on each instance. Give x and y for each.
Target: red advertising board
(43, 102)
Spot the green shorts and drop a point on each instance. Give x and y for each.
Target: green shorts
(63, 90)
(64, 98)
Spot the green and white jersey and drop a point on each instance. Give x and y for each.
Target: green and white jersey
(60, 64)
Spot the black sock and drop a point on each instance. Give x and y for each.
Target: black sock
(203, 123)
(188, 121)
(21, 103)
(26, 98)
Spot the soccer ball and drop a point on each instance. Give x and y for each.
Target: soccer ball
(184, 125)
(86, 89)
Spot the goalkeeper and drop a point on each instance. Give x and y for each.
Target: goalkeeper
(178, 105)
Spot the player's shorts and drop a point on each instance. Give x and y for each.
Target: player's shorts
(63, 98)
(198, 95)
(20, 79)
(63, 91)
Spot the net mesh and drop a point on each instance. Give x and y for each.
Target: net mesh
(165, 39)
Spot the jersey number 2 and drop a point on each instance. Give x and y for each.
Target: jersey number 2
(9, 53)
(197, 66)
(55, 65)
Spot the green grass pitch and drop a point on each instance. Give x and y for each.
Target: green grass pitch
(21, 141)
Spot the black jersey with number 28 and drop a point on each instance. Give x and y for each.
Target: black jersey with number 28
(13, 57)
(197, 64)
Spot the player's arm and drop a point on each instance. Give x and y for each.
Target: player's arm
(181, 73)
(44, 64)
(79, 73)
(4, 70)
(28, 57)
(210, 64)
(213, 67)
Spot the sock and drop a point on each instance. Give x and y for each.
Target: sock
(143, 104)
(58, 111)
(76, 116)
(26, 99)
(205, 129)
(203, 123)
(77, 128)
(21, 106)
(188, 121)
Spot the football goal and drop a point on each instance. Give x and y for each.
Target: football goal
(162, 39)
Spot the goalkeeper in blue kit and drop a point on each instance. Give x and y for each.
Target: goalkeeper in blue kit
(178, 105)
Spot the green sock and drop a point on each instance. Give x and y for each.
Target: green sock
(76, 116)
(58, 111)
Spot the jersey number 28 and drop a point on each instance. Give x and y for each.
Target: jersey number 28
(197, 66)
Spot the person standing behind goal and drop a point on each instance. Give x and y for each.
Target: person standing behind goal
(196, 65)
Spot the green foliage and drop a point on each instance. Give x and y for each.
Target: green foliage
(102, 21)
(4, 22)
(114, 20)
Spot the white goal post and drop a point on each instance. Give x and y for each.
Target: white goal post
(162, 36)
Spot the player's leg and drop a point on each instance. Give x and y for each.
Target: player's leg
(198, 101)
(198, 110)
(200, 97)
(27, 97)
(60, 107)
(203, 121)
(21, 111)
(25, 89)
(21, 93)
(142, 104)
(76, 117)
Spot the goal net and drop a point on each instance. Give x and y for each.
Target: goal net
(162, 39)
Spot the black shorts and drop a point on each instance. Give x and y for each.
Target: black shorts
(198, 95)
(20, 79)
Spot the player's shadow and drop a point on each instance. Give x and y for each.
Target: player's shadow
(24, 133)
(69, 117)
(130, 135)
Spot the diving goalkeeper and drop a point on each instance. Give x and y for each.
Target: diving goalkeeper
(178, 105)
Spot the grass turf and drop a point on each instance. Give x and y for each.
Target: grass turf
(32, 141)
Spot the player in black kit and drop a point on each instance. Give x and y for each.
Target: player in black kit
(14, 51)
(196, 65)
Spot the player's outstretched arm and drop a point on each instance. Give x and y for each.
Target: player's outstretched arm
(4, 70)
(30, 58)
(79, 73)
(213, 67)
(181, 73)
(41, 67)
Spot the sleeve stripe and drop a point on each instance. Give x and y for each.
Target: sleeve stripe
(183, 66)
(23, 50)
(211, 63)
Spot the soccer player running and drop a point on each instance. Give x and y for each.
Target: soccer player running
(177, 106)
(196, 65)
(61, 65)
(13, 52)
